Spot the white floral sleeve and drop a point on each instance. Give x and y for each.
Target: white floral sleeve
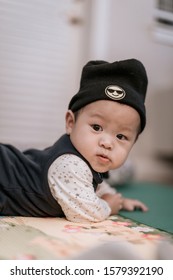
(70, 181)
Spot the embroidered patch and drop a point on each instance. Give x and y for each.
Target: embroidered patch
(115, 92)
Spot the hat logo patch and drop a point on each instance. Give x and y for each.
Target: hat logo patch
(115, 92)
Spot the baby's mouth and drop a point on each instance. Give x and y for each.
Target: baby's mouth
(103, 158)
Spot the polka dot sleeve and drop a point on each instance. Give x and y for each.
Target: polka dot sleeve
(70, 181)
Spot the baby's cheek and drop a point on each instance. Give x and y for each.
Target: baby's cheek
(119, 159)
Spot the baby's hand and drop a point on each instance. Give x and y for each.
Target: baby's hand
(115, 202)
(132, 204)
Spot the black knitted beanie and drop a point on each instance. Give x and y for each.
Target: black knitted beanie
(121, 81)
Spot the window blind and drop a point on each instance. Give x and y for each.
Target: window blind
(34, 51)
(163, 22)
(165, 5)
(164, 12)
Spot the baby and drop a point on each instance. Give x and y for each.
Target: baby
(103, 122)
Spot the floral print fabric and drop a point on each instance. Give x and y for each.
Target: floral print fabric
(57, 238)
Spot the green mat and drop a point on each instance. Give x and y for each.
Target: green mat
(158, 198)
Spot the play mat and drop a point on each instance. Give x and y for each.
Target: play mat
(56, 238)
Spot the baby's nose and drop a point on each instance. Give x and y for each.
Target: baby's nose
(106, 142)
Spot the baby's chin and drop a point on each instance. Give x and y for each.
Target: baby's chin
(100, 170)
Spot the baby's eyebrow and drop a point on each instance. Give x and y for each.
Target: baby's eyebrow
(97, 115)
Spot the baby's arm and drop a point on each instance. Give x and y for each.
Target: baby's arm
(70, 181)
(116, 201)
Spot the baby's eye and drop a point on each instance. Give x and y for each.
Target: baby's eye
(96, 127)
(121, 137)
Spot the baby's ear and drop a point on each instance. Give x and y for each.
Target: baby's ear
(70, 121)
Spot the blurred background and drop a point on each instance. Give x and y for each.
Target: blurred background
(43, 47)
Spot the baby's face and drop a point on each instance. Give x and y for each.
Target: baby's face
(104, 133)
